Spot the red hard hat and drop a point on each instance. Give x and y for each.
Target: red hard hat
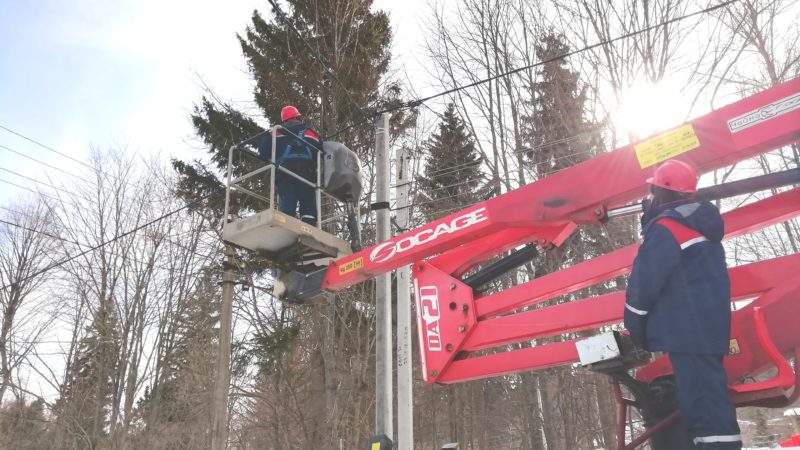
(288, 113)
(676, 176)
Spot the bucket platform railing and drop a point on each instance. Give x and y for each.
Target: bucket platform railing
(278, 236)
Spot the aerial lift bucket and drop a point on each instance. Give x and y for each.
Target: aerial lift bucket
(288, 242)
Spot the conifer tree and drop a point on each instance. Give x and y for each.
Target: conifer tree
(452, 173)
(559, 135)
(23, 425)
(555, 132)
(175, 409)
(83, 408)
(350, 38)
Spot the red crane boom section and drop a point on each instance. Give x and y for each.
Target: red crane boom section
(464, 335)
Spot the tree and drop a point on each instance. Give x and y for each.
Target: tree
(175, 410)
(555, 134)
(452, 169)
(26, 240)
(23, 425)
(553, 131)
(85, 404)
(354, 42)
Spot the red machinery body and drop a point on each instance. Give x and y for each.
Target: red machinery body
(456, 324)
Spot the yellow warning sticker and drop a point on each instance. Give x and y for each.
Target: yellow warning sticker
(305, 229)
(733, 347)
(376, 446)
(666, 146)
(280, 218)
(351, 266)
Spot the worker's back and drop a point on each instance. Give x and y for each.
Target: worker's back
(296, 148)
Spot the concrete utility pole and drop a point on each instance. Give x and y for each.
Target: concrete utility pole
(383, 301)
(405, 400)
(219, 426)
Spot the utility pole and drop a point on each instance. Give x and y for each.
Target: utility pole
(405, 400)
(383, 284)
(219, 426)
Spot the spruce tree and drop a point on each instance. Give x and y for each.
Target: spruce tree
(84, 405)
(452, 173)
(23, 425)
(556, 131)
(558, 135)
(175, 408)
(350, 38)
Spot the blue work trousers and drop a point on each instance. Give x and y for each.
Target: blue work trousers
(704, 401)
(292, 192)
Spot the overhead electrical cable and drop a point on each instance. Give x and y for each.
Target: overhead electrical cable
(421, 101)
(43, 163)
(115, 238)
(47, 147)
(48, 185)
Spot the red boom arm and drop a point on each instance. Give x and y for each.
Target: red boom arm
(460, 332)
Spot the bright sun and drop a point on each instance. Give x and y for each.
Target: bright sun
(646, 109)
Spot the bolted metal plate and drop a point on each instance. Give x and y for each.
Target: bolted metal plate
(602, 347)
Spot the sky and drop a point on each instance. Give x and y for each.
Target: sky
(125, 73)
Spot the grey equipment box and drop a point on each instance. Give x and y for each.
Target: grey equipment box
(342, 170)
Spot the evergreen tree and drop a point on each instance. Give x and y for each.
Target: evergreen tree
(558, 136)
(83, 408)
(23, 425)
(350, 38)
(452, 170)
(354, 41)
(555, 131)
(174, 410)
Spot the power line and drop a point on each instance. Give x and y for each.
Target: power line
(568, 54)
(45, 146)
(23, 227)
(43, 163)
(35, 192)
(113, 239)
(48, 185)
(421, 101)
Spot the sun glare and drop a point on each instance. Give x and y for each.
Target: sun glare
(646, 109)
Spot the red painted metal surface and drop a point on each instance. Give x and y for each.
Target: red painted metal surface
(580, 194)
(521, 328)
(464, 335)
(497, 327)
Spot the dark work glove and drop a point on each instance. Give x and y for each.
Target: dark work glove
(639, 341)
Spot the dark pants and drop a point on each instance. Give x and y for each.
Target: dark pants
(292, 192)
(704, 401)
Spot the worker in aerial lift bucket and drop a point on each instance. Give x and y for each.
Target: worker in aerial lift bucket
(678, 301)
(296, 149)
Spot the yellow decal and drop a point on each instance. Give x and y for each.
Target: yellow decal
(733, 347)
(351, 266)
(376, 446)
(305, 229)
(666, 146)
(280, 218)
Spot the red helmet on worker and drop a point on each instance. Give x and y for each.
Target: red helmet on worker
(289, 112)
(675, 176)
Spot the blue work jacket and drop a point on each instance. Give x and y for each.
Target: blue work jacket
(678, 296)
(296, 150)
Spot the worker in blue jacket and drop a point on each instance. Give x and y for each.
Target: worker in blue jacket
(678, 301)
(296, 150)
